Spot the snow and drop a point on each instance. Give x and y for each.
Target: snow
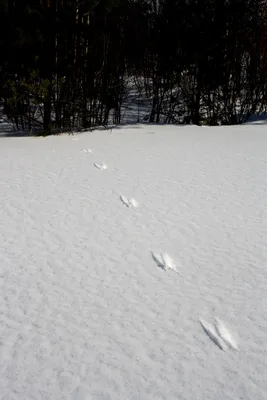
(129, 202)
(224, 334)
(219, 334)
(85, 312)
(101, 166)
(212, 334)
(164, 261)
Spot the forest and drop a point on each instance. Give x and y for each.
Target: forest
(76, 64)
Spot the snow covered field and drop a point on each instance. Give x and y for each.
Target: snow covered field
(119, 250)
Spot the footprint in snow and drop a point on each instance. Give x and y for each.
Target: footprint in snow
(210, 330)
(101, 166)
(219, 334)
(164, 261)
(87, 151)
(224, 333)
(79, 394)
(129, 201)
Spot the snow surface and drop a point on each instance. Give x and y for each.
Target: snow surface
(85, 312)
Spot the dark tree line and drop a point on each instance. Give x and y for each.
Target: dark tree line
(73, 64)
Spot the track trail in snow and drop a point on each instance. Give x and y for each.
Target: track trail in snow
(84, 309)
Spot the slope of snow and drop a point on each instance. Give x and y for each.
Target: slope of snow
(85, 312)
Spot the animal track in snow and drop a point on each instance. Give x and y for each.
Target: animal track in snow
(87, 150)
(129, 201)
(164, 261)
(224, 333)
(79, 394)
(210, 330)
(101, 166)
(219, 334)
